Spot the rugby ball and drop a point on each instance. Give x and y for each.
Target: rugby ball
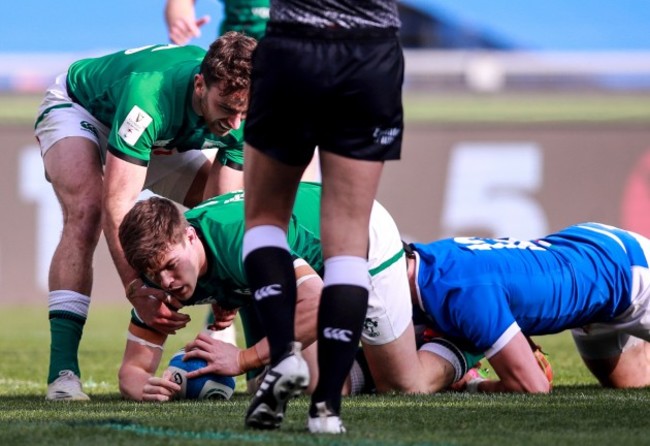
(208, 386)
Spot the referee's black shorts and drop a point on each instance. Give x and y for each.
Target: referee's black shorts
(338, 89)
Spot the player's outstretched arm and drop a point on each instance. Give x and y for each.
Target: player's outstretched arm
(142, 356)
(122, 184)
(517, 368)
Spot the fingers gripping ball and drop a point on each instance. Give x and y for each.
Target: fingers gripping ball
(208, 386)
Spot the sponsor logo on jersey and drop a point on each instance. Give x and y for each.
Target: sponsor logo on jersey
(267, 291)
(235, 293)
(485, 244)
(205, 300)
(87, 126)
(161, 142)
(370, 327)
(261, 12)
(238, 196)
(134, 125)
(385, 136)
(337, 334)
(212, 144)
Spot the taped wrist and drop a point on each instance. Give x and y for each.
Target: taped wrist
(133, 338)
(249, 359)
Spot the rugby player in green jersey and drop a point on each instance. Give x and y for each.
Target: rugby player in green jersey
(245, 16)
(197, 259)
(114, 125)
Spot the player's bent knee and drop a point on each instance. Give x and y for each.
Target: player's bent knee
(631, 369)
(543, 387)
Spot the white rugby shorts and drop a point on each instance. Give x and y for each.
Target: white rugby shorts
(389, 301)
(610, 339)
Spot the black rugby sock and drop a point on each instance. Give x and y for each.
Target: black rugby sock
(340, 321)
(272, 280)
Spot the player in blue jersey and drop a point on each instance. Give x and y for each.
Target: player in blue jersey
(487, 295)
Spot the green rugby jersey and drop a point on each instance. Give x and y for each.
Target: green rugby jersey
(144, 95)
(220, 225)
(246, 16)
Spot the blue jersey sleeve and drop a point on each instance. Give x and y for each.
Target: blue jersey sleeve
(480, 314)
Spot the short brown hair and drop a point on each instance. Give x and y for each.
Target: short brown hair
(229, 60)
(148, 231)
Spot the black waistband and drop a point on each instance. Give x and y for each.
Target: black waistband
(300, 30)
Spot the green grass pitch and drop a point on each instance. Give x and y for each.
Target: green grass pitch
(577, 412)
(456, 108)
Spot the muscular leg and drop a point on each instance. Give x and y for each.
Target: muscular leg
(74, 169)
(220, 180)
(270, 193)
(199, 186)
(397, 366)
(312, 171)
(629, 369)
(268, 206)
(349, 188)
(270, 189)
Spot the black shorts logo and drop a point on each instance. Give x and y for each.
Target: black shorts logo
(87, 126)
(370, 327)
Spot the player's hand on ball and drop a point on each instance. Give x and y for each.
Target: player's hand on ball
(221, 357)
(160, 389)
(204, 386)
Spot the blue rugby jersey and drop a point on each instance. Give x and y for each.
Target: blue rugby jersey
(481, 291)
